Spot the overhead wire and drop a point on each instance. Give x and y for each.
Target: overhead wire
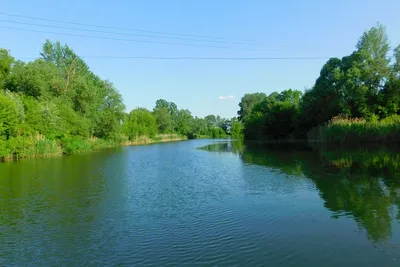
(198, 58)
(126, 34)
(131, 29)
(219, 40)
(134, 40)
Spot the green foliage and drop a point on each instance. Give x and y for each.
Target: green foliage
(247, 103)
(58, 98)
(274, 117)
(163, 115)
(184, 122)
(361, 85)
(6, 61)
(140, 122)
(236, 129)
(8, 117)
(171, 120)
(73, 145)
(37, 78)
(55, 105)
(24, 147)
(343, 130)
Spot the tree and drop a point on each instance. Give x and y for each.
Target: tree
(396, 65)
(166, 114)
(224, 124)
(71, 67)
(184, 122)
(38, 79)
(274, 117)
(199, 126)
(6, 61)
(211, 121)
(140, 122)
(236, 128)
(247, 102)
(8, 117)
(374, 44)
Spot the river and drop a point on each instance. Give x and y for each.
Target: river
(202, 202)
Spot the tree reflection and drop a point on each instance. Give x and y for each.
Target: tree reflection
(363, 184)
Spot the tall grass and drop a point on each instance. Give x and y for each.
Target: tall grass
(39, 146)
(344, 130)
(160, 138)
(29, 147)
(73, 145)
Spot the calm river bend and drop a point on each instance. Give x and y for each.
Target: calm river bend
(224, 204)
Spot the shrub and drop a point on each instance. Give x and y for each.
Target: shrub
(342, 129)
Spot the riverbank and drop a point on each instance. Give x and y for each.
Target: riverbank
(41, 147)
(345, 131)
(353, 131)
(163, 138)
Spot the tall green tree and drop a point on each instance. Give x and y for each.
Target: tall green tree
(236, 128)
(38, 79)
(247, 102)
(184, 122)
(8, 117)
(140, 122)
(163, 116)
(6, 61)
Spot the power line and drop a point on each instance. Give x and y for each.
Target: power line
(119, 33)
(136, 30)
(199, 58)
(133, 40)
(206, 58)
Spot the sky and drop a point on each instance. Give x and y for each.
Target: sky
(277, 29)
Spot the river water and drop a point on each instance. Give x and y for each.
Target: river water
(203, 202)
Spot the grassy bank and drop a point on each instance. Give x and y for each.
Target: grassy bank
(161, 138)
(349, 131)
(40, 147)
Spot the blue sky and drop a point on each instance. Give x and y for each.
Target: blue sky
(286, 28)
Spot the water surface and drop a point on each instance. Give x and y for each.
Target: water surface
(225, 204)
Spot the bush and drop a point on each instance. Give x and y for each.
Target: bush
(28, 147)
(345, 130)
(71, 145)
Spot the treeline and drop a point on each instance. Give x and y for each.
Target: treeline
(167, 119)
(356, 98)
(55, 105)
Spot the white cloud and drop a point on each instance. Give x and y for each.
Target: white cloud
(226, 97)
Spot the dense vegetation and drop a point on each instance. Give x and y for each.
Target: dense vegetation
(356, 98)
(55, 105)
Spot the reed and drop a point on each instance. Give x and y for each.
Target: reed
(345, 130)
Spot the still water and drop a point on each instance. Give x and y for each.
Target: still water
(224, 204)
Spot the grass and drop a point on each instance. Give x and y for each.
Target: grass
(344, 130)
(39, 146)
(161, 138)
(75, 145)
(29, 147)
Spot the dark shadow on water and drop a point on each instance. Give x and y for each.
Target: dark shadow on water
(360, 183)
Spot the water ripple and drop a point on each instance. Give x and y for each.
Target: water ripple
(171, 204)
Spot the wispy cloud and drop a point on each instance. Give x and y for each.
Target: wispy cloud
(226, 97)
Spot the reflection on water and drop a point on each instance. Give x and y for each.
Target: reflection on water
(228, 204)
(362, 184)
(47, 206)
